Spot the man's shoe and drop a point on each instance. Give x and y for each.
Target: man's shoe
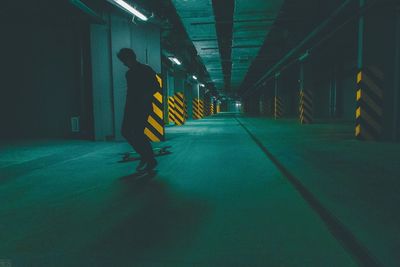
(151, 165)
(141, 167)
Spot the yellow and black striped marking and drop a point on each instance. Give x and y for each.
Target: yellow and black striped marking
(369, 111)
(278, 107)
(212, 109)
(155, 122)
(197, 109)
(205, 108)
(201, 106)
(171, 109)
(306, 107)
(179, 109)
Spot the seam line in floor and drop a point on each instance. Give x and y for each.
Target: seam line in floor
(335, 227)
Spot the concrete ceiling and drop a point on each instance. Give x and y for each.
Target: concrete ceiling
(250, 24)
(198, 19)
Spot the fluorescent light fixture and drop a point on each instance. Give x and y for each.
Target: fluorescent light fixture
(174, 59)
(202, 85)
(130, 9)
(194, 77)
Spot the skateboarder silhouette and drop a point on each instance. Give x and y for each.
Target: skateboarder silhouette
(141, 86)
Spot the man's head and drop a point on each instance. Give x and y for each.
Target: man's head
(127, 56)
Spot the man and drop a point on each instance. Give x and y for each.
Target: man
(142, 85)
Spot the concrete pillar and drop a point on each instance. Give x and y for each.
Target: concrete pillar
(197, 102)
(377, 77)
(189, 100)
(179, 82)
(396, 95)
(207, 105)
(170, 107)
(306, 112)
(278, 104)
(179, 98)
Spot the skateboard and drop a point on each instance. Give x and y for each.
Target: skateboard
(132, 156)
(144, 174)
(140, 175)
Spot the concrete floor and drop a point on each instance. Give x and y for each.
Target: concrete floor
(218, 200)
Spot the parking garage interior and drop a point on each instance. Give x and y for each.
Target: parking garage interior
(280, 120)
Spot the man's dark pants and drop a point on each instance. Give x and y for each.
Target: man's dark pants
(133, 131)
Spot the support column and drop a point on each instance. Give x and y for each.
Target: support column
(278, 104)
(179, 99)
(396, 98)
(306, 96)
(155, 122)
(189, 100)
(377, 84)
(207, 106)
(196, 102)
(170, 98)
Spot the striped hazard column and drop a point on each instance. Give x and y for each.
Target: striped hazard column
(369, 112)
(278, 107)
(212, 109)
(201, 108)
(197, 111)
(171, 109)
(155, 122)
(205, 108)
(306, 107)
(218, 108)
(179, 109)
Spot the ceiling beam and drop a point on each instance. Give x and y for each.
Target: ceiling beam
(223, 12)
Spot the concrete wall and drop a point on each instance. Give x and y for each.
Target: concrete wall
(57, 66)
(103, 105)
(41, 75)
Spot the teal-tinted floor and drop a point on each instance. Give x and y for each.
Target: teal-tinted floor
(216, 201)
(358, 182)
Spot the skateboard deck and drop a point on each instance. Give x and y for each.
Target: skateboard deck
(145, 175)
(132, 156)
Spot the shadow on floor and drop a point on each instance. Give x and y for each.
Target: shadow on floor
(153, 218)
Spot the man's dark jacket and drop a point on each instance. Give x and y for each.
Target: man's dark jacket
(142, 85)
